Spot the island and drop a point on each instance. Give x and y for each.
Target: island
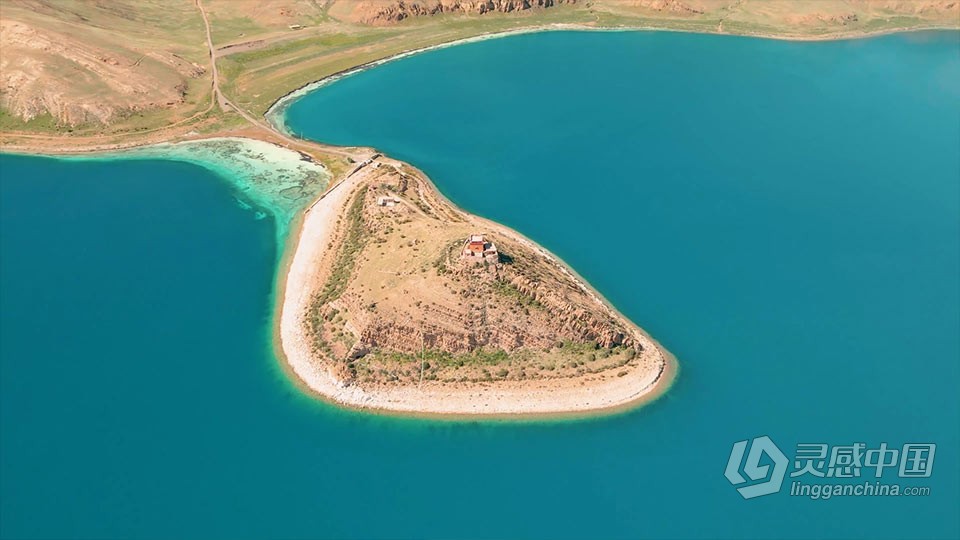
(396, 300)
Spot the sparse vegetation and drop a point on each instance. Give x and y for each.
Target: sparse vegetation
(353, 241)
(511, 291)
(467, 321)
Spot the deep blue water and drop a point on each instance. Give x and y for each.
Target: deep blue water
(784, 217)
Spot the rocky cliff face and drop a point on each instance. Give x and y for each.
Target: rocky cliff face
(382, 13)
(675, 7)
(794, 14)
(556, 318)
(574, 318)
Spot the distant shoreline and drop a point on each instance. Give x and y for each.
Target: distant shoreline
(274, 113)
(61, 145)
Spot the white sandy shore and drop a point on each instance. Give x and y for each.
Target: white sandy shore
(642, 383)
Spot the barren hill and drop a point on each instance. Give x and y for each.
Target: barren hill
(96, 62)
(415, 290)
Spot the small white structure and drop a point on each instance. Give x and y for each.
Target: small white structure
(387, 201)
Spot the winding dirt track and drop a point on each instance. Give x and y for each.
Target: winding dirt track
(217, 96)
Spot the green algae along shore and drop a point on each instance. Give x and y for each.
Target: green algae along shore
(281, 180)
(276, 179)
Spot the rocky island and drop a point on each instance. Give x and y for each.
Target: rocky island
(396, 300)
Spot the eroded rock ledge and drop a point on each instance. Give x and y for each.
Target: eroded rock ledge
(380, 13)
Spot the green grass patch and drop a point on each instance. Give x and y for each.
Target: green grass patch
(44, 123)
(510, 290)
(478, 357)
(353, 242)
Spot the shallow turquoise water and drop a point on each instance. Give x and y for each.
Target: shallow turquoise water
(797, 213)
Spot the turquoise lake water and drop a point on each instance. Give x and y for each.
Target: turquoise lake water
(784, 217)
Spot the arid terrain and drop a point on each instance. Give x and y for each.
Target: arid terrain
(399, 290)
(396, 300)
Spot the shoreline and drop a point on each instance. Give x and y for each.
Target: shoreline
(297, 280)
(277, 179)
(274, 113)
